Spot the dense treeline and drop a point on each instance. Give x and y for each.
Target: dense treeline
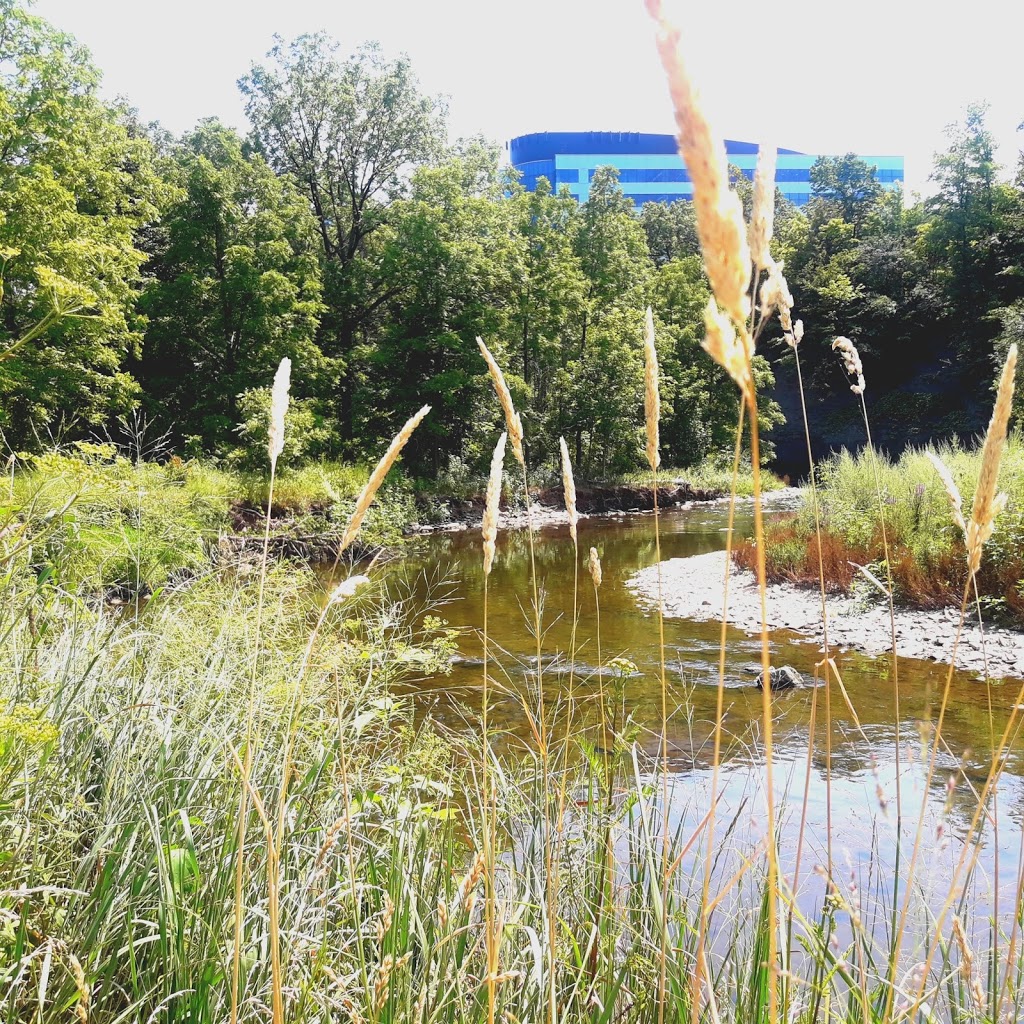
(170, 275)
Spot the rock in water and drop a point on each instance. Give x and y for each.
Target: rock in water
(785, 678)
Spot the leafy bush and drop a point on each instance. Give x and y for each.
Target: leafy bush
(926, 548)
(104, 520)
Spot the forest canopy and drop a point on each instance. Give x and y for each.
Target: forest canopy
(168, 276)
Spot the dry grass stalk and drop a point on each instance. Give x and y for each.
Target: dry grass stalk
(367, 494)
(851, 361)
(730, 350)
(719, 212)
(973, 983)
(595, 567)
(471, 879)
(278, 409)
(762, 214)
(987, 504)
(652, 397)
(955, 501)
(82, 988)
(489, 527)
(512, 421)
(569, 489)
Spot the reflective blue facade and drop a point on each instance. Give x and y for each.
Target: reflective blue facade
(650, 168)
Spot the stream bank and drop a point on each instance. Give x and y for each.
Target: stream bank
(692, 588)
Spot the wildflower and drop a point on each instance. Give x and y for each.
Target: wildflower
(569, 489)
(988, 504)
(762, 215)
(728, 349)
(388, 459)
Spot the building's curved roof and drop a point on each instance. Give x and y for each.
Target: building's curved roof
(545, 145)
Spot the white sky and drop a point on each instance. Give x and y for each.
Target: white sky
(873, 76)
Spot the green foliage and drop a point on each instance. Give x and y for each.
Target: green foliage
(926, 547)
(76, 184)
(349, 132)
(105, 521)
(307, 434)
(845, 184)
(234, 286)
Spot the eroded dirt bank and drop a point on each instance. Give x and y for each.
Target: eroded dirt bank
(692, 588)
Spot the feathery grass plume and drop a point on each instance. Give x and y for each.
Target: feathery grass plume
(955, 501)
(851, 360)
(512, 420)
(569, 488)
(987, 504)
(762, 213)
(278, 409)
(797, 335)
(719, 212)
(728, 349)
(775, 295)
(595, 567)
(347, 588)
(652, 397)
(367, 494)
(489, 527)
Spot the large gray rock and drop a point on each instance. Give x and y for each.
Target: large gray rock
(785, 678)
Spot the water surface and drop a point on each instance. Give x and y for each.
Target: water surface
(850, 769)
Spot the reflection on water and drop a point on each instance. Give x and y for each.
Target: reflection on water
(860, 742)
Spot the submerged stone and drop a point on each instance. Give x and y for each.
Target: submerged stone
(785, 678)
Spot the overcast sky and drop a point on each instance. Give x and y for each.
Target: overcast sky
(873, 76)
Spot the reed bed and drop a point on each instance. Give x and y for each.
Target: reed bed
(220, 806)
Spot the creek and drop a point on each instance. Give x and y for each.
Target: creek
(850, 772)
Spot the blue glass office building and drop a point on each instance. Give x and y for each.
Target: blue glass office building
(650, 168)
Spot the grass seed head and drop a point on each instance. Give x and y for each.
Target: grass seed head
(952, 491)
(652, 398)
(569, 489)
(987, 504)
(278, 409)
(489, 528)
(719, 212)
(347, 588)
(762, 215)
(728, 349)
(512, 421)
(776, 296)
(388, 459)
(595, 567)
(851, 361)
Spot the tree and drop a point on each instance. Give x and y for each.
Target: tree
(611, 247)
(847, 185)
(235, 286)
(452, 245)
(671, 230)
(350, 132)
(966, 213)
(699, 403)
(76, 183)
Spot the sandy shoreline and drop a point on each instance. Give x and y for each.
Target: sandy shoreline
(692, 589)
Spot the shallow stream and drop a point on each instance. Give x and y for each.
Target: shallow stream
(859, 747)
